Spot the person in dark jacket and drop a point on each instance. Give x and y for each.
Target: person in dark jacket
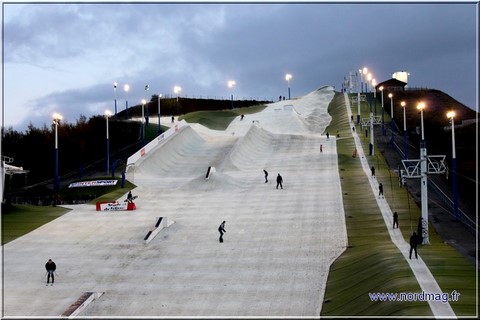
(380, 190)
(50, 267)
(130, 197)
(279, 181)
(221, 229)
(413, 245)
(395, 219)
(266, 175)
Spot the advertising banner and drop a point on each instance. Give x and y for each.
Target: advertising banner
(93, 183)
(115, 206)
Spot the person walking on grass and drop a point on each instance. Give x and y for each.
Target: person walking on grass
(266, 175)
(50, 267)
(279, 181)
(221, 229)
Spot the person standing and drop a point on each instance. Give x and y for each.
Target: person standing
(266, 175)
(221, 229)
(279, 181)
(321, 148)
(50, 267)
(373, 171)
(413, 245)
(380, 190)
(395, 219)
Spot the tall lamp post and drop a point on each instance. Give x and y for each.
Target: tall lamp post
(56, 121)
(177, 90)
(390, 95)
(384, 132)
(231, 84)
(369, 79)
(288, 77)
(126, 88)
(108, 115)
(365, 71)
(371, 147)
(159, 127)
(115, 95)
(405, 149)
(358, 107)
(451, 115)
(147, 87)
(143, 120)
(423, 178)
(361, 80)
(374, 88)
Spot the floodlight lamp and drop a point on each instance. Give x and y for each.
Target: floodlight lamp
(390, 95)
(421, 106)
(403, 103)
(288, 76)
(451, 114)
(144, 101)
(108, 113)
(126, 87)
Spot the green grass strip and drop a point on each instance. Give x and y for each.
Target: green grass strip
(372, 263)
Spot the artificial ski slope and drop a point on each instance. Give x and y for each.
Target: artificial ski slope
(278, 245)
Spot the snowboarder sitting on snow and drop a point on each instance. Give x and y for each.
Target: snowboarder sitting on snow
(51, 267)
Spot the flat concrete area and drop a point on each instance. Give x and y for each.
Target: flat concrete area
(279, 243)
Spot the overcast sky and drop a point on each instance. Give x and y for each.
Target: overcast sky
(62, 57)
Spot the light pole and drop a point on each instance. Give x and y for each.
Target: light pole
(231, 84)
(369, 79)
(374, 84)
(147, 112)
(358, 107)
(126, 88)
(451, 115)
(365, 71)
(143, 120)
(159, 127)
(288, 76)
(115, 95)
(383, 114)
(371, 147)
(405, 149)
(423, 178)
(361, 80)
(56, 121)
(177, 90)
(390, 95)
(107, 115)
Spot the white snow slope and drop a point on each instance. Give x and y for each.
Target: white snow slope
(279, 243)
